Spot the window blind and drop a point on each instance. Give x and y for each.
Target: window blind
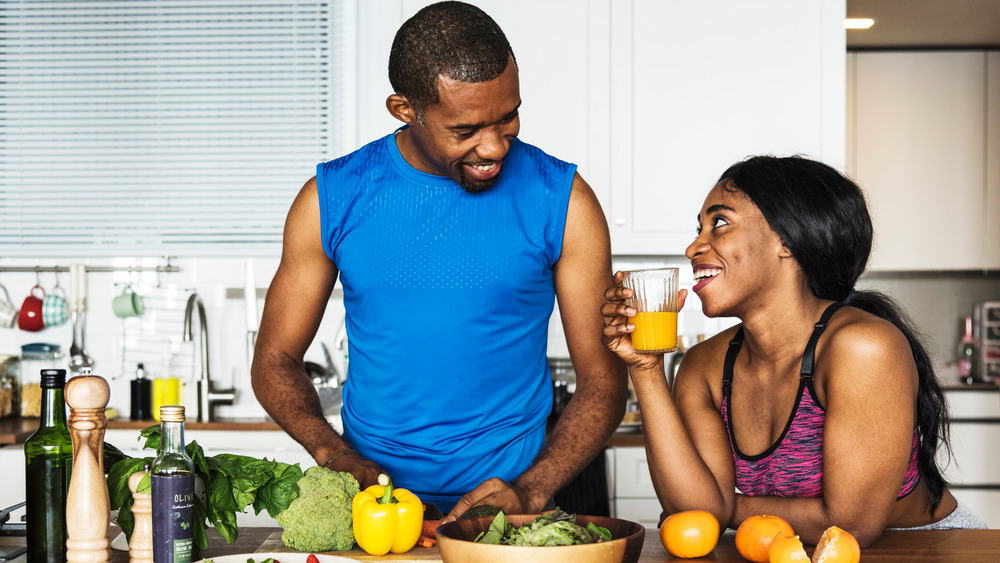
(165, 127)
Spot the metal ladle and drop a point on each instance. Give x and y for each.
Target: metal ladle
(78, 356)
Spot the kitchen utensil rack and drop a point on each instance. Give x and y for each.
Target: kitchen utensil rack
(167, 268)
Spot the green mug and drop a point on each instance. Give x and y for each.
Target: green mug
(128, 304)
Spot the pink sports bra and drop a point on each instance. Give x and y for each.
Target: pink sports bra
(793, 466)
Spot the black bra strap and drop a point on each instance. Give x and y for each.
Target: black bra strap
(809, 357)
(734, 349)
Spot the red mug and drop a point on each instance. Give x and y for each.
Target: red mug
(30, 318)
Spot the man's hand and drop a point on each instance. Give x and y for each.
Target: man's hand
(507, 497)
(364, 470)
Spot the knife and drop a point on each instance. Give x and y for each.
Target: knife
(431, 512)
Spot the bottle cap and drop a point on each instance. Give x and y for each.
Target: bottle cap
(171, 413)
(53, 378)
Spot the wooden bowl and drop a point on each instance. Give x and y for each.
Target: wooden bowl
(456, 540)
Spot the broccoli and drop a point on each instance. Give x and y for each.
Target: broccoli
(319, 519)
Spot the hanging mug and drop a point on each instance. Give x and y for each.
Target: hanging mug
(8, 310)
(128, 304)
(30, 318)
(55, 308)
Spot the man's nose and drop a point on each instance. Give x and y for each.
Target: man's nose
(493, 144)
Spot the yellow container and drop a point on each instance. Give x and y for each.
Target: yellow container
(166, 391)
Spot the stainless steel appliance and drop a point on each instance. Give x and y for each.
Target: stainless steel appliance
(987, 323)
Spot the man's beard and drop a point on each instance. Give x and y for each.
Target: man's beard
(475, 186)
(478, 187)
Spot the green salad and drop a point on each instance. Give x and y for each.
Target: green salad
(552, 528)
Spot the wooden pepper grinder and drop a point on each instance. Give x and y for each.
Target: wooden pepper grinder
(140, 547)
(88, 509)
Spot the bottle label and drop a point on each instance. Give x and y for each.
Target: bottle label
(173, 518)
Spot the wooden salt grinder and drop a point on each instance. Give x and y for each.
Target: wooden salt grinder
(88, 509)
(140, 547)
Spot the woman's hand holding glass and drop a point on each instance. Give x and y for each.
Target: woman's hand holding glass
(618, 324)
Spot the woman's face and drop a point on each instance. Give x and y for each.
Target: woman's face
(736, 256)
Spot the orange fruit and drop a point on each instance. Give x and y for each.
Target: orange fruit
(753, 537)
(690, 533)
(837, 546)
(786, 548)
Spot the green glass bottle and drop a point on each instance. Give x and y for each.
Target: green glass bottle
(172, 476)
(48, 456)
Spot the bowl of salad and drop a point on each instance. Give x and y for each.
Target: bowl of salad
(550, 537)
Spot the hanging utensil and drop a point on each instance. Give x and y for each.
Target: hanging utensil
(79, 358)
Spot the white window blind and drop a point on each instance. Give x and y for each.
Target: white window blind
(165, 127)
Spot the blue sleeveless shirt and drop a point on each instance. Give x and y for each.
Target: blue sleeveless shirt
(448, 297)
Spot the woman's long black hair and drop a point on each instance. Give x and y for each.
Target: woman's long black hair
(822, 218)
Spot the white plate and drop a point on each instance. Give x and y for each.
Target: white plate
(280, 557)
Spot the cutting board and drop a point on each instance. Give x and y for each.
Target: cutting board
(418, 553)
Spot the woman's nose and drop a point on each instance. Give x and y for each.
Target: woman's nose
(696, 248)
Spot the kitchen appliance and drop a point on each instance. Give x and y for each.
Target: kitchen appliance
(987, 325)
(563, 384)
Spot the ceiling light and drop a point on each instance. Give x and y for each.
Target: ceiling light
(858, 23)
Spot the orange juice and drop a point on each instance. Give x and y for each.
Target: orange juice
(655, 332)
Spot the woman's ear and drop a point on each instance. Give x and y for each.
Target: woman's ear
(401, 108)
(783, 251)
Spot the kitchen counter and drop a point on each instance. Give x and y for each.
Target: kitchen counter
(939, 546)
(17, 430)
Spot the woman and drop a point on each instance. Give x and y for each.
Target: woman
(821, 406)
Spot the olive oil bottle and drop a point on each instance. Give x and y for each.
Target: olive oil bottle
(48, 456)
(172, 476)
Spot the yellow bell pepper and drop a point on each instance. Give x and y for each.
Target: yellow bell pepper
(386, 519)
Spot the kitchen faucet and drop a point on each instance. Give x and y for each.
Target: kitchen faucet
(208, 396)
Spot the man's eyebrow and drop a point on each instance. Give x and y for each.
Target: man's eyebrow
(473, 126)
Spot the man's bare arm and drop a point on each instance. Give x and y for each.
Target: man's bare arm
(293, 309)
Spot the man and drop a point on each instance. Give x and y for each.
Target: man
(452, 238)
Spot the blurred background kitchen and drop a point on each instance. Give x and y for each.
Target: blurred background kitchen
(155, 148)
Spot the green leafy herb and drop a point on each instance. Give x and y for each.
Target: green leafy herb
(499, 529)
(552, 528)
(232, 483)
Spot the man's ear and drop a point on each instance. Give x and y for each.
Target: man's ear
(401, 108)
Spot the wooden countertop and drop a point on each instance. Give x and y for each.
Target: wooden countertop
(17, 430)
(938, 546)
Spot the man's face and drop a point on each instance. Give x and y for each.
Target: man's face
(466, 135)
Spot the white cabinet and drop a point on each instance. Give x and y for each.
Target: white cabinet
(919, 150)
(653, 99)
(993, 160)
(630, 486)
(973, 472)
(562, 57)
(699, 85)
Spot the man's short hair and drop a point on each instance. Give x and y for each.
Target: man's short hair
(453, 39)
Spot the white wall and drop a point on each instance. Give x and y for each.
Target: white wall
(155, 338)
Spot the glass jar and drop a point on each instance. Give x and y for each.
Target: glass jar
(34, 358)
(10, 391)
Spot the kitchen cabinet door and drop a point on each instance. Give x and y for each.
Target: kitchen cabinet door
(993, 160)
(699, 85)
(919, 125)
(562, 57)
